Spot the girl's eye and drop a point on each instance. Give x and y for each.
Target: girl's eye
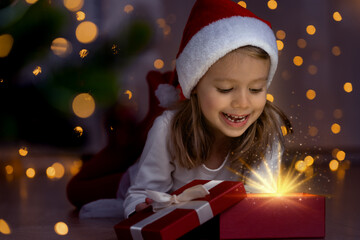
(224, 90)
(255, 90)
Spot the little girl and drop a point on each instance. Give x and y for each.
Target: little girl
(226, 62)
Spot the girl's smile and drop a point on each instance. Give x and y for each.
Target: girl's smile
(232, 93)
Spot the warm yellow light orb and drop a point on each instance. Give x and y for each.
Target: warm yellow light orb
(313, 131)
(31, 1)
(80, 16)
(337, 16)
(338, 113)
(309, 160)
(86, 32)
(340, 155)
(335, 128)
(270, 97)
(83, 53)
(312, 69)
(284, 130)
(37, 70)
(83, 105)
(301, 43)
(300, 165)
(6, 43)
(280, 45)
(128, 8)
(61, 228)
(158, 63)
(59, 170)
(242, 3)
(23, 151)
(348, 87)
(310, 94)
(298, 61)
(73, 5)
(310, 29)
(280, 34)
(4, 227)
(30, 173)
(272, 4)
(79, 130)
(61, 47)
(9, 169)
(334, 165)
(336, 51)
(50, 172)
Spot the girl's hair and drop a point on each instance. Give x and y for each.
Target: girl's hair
(191, 139)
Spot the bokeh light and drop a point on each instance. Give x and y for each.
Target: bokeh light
(309, 160)
(272, 4)
(338, 113)
(336, 51)
(335, 128)
(310, 29)
(334, 165)
(340, 155)
(300, 166)
(280, 45)
(337, 16)
(284, 130)
(129, 93)
(334, 152)
(4, 227)
(30, 172)
(23, 151)
(80, 16)
(312, 69)
(61, 228)
(75, 167)
(9, 169)
(73, 5)
(83, 53)
(301, 43)
(86, 32)
(348, 87)
(270, 97)
(242, 3)
(298, 61)
(37, 70)
(31, 1)
(128, 8)
(158, 63)
(79, 131)
(280, 34)
(83, 105)
(61, 47)
(313, 131)
(310, 94)
(6, 43)
(59, 170)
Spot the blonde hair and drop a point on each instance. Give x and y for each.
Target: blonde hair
(191, 139)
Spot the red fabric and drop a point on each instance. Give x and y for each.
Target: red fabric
(205, 12)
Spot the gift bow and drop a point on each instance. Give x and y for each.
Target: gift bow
(162, 200)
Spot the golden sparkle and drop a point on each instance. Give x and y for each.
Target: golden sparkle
(83, 53)
(37, 70)
(128, 92)
(79, 131)
(80, 16)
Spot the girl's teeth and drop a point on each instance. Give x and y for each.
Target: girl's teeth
(234, 118)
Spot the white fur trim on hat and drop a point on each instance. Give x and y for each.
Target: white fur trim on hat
(217, 39)
(167, 95)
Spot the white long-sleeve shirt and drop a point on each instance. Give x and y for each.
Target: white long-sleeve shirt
(156, 170)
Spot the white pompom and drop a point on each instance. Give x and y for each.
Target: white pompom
(167, 95)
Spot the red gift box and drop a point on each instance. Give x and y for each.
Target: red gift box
(262, 216)
(178, 219)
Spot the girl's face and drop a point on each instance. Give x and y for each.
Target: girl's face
(232, 93)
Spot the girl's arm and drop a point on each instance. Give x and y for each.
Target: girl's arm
(155, 166)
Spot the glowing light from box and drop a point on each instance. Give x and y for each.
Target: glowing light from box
(83, 105)
(37, 70)
(313, 131)
(335, 128)
(75, 167)
(128, 92)
(86, 32)
(73, 5)
(272, 4)
(348, 87)
(61, 228)
(128, 8)
(270, 97)
(9, 169)
(242, 3)
(298, 61)
(6, 43)
(23, 151)
(310, 94)
(334, 165)
(312, 69)
(79, 131)
(337, 16)
(30, 173)
(300, 165)
(310, 29)
(283, 182)
(280, 45)
(340, 155)
(336, 51)
(4, 227)
(80, 16)
(31, 1)
(158, 63)
(83, 53)
(301, 43)
(61, 47)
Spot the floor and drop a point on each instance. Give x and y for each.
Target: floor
(31, 207)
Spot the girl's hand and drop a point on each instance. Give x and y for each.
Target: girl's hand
(143, 205)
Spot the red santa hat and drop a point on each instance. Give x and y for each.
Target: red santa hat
(215, 28)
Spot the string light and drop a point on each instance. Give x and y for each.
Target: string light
(61, 228)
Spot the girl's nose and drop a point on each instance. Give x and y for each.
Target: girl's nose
(241, 100)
